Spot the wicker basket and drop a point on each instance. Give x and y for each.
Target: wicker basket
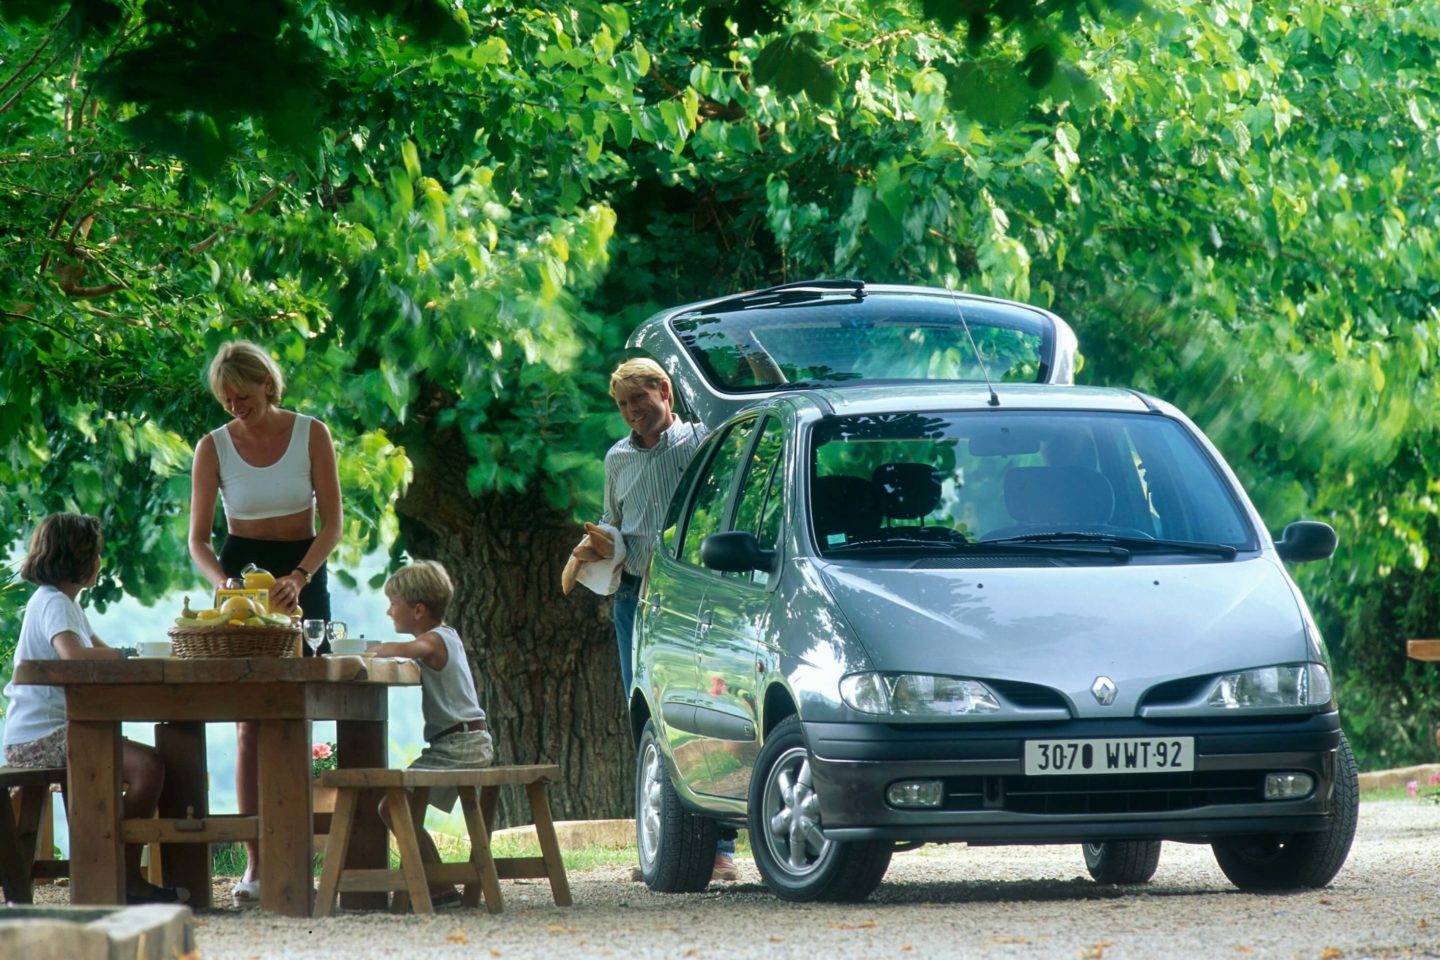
(198, 642)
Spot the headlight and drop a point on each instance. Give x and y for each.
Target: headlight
(1291, 685)
(916, 695)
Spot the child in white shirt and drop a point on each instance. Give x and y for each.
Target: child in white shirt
(63, 559)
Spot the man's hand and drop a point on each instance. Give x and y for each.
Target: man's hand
(595, 545)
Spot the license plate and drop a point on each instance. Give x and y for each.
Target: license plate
(1110, 755)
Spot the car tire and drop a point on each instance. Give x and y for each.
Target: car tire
(796, 862)
(1122, 861)
(1299, 860)
(676, 846)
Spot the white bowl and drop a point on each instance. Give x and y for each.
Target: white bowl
(350, 646)
(153, 648)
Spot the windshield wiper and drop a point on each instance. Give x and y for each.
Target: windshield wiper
(897, 544)
(1222, 550)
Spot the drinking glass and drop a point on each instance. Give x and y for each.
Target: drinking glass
(314, 634)
(337, 631)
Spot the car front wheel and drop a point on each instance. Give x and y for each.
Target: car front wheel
(1298, 860)
(1122, 861)
(677, 847)
(795, 859)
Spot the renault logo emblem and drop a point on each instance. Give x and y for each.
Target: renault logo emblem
(1104, 689)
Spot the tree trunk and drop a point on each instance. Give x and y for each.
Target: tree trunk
(545, 664)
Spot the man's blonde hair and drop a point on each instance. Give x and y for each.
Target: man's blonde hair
(241, 363)
(639, 372)
(423, 581)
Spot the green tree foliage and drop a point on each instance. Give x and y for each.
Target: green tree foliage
(445, 217)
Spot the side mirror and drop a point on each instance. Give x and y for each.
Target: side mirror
(1306, 540)
(736, 551)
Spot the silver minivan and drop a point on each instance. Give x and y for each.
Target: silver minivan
(885, 614)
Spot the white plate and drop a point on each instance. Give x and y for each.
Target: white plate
(1109, 755)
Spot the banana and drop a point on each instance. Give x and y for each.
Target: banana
(186, 612)
(195, 622)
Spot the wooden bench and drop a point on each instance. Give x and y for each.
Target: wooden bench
(24, 805)
(482, 873)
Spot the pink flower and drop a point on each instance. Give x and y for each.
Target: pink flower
(321, 751)
(1435, 779)
(1413, 787)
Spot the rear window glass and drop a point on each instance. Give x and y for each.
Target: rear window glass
(879, 338)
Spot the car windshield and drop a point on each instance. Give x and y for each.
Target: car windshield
(1024, 479)
(882, 337)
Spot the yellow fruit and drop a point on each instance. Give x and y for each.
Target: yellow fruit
(237, 623)
(254, 621)
(186, 612)
(238, 608)
(211, 614)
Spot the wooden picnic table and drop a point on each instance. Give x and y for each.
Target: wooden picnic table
(283, 695)
(1423, 649)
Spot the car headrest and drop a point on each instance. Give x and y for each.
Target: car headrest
(844, 504)
(1069, 495)
(907, 491)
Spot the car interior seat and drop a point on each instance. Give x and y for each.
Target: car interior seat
(1058, 498)
(844, 504)
(907, 491)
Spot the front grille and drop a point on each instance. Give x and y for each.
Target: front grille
(1029, 695)
(1106, 794)
(1176, 692)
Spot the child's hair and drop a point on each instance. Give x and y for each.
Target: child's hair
(241, 363)
(639, 372)
(63, 549)
(423, 581)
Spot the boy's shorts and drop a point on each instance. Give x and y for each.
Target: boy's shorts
(48, 751)
(462, 750)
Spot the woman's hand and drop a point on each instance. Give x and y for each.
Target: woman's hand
(285, 595)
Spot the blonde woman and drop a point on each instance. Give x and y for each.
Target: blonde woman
(274, 470)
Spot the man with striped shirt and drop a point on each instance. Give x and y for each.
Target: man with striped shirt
(641, 472)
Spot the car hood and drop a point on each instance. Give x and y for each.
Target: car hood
(1062, 627)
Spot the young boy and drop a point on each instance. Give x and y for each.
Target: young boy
(455, 730)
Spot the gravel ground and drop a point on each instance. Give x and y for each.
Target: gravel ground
(1001, 902)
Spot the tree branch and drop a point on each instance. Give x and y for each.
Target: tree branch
(38, 50)
(265, 200)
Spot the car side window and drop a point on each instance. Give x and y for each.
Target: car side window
(712, 493)
(758, 509)
(678, 501)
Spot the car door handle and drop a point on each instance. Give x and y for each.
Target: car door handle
(707, 623)
(654, 603)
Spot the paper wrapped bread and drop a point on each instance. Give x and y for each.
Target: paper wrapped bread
(597, 544)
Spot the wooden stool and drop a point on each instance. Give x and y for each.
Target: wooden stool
(22, 821)
(478, 791)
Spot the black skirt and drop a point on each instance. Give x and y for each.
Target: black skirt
(280, 557)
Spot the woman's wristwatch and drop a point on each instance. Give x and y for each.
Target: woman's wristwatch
(304, 573)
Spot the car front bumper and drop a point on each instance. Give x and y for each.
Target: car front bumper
(988, 797)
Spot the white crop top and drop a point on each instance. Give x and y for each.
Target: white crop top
(255, 493)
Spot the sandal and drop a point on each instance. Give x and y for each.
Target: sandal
(246, 893)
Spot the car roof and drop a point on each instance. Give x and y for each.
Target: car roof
(797, 336)
(921, 395)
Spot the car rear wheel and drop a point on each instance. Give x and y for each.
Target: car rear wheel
(1122, 861)
(677, 847)
(1298, 860)
(794, 858)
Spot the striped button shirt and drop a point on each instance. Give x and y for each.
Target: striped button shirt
(639, 483)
